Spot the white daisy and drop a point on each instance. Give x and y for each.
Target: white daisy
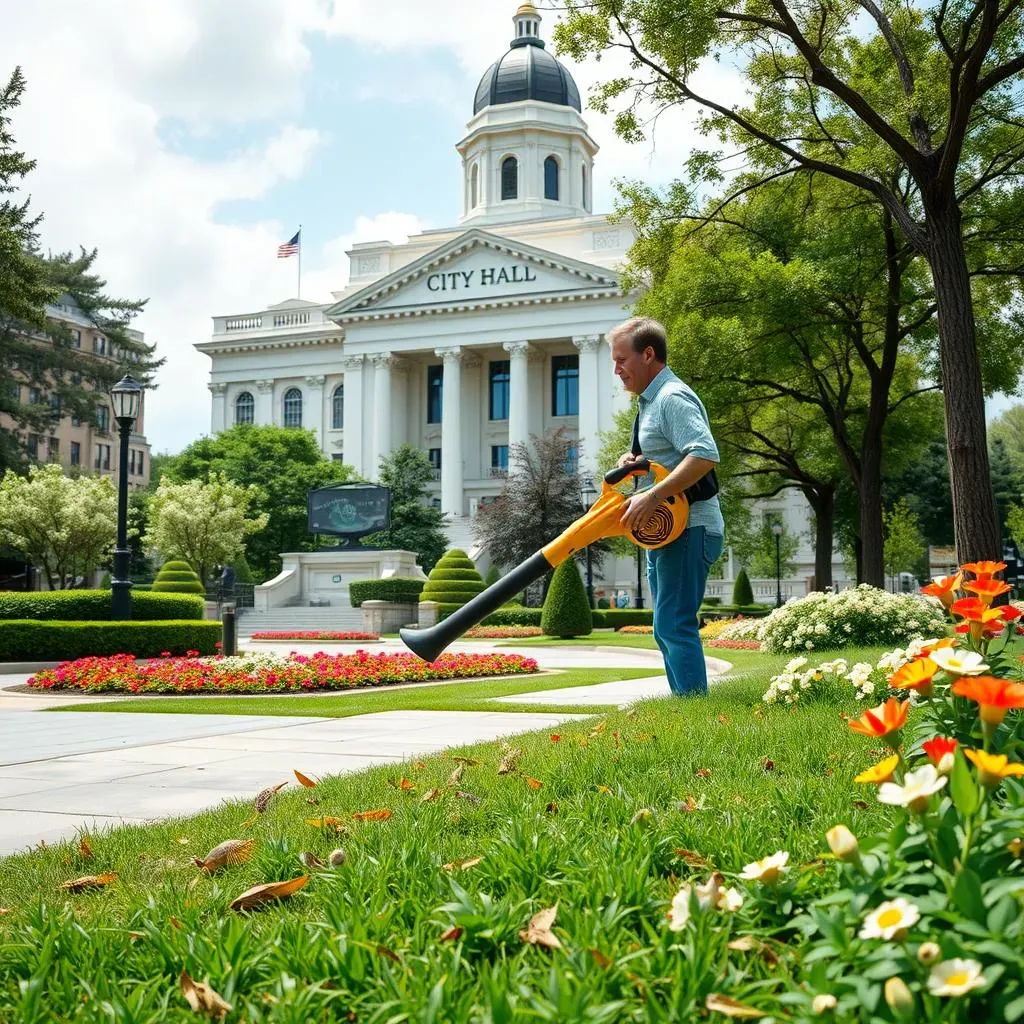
(889, 919)
(916, 791)
(959, 663)
(767, 870)
(955, 977)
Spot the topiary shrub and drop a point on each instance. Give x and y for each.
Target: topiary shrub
(603, 602)
(177, 577)
(742, 592)
(452, 582)
(243, 574)
(493, 575)
(566, 608)
(398, 590)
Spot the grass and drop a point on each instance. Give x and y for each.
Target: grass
(723, 777)
(599, 638)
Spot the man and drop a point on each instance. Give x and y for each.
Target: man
(673, 431)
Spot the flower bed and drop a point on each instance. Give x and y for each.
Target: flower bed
(733, 645)
(639, 630)
(501, 632)
(269, 673)
(313, 635)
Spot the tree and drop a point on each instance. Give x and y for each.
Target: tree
(204, 523)
(763, 561)
(904, 545)
(1009, 428)
(925, 486)
(283, 464)
(917, 109)
(60, 523)
(415, 524)
(566, 608)
(1007, 481)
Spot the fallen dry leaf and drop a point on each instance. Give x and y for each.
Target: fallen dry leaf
(406, 784)
(456, 775)
(600, 959)
(310, 861)
(551, 808)
(555, 738)
(462, 865)
(643, 737)
(304, 780)
(202, 998)
(691, 858)
(471, 797)
(183, 840)
(768, 764)
(615, 736)
(509, 761)
(264, 796)
(5, 910)
(389, 953)
(703, 773)
(533, 783)
(605, 790)
(175, 923)
(84, 848)
(645, 817)
(631, 713)
(730, 1007)
(134, 936)
(87, 882)
(599, 728)
(325, 822)
(419, 765)
(470, 762)
(267, 893)
(430, 796)
(744, 944)
(538, 931)
(227, 855)
(312, 801)
(379, 815)
(861, 805)
(452, 935)
(724, 719)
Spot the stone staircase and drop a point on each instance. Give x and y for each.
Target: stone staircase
(335, 618)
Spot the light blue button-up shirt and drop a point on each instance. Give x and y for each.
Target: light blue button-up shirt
(674, 424)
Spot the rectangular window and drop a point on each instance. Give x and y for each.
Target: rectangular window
(76, 339)
(499, 459)
(99, 345)
(103, 417)
(102, 460)
(500, 378)
(435, 459)
(435, 388)
(55, 412)
(33, 446)
(565, 385)
(53, 448)
(76, 453)
(76, 421)
(572, 459)
(33, 396)
(131, 461)
(337, 456)
(139, 463)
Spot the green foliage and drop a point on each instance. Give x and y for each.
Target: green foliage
(95, 604)
(493, 575)
(415, 524)
(507, 616)
(742, 592)
(924, 485)
(243, 574)
(395, 589)
(603, 603)
(904, 546)
(178, 578)
(1007, 480)
(283, 464)
(566, 608)
(34, 640)
(456, 592)
(616, 618)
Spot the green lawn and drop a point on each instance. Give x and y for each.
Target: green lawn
(599, 638)
(723, 778)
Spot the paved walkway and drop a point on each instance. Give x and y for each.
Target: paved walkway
(63, 773)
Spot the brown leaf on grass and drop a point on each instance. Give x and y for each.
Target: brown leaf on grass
(378, 815)
(312, 801)
(326, 822)
(599, 728)
(84, 848)
(389, 953)
(469, 762)
(419, 765)
(135, 936)
(724, 719)
(551, 808)
(615, 736)
(533, 783)
(693, 859)
(228, 854)
(538, 931)
(600, 959)
(430, 796)
(718, 1003)
(406, 785)
(264, 796)
(744, 944)
(183, 840)
(861, 805)
(304, 780)
(5, 910)
(175, 923)
(310, 861)
(471, 797)
(462, 865)
(509, 761)
(456, 775)
(768, 764)
(687, 806)
(703, 773)
(758, 713)
(202, 998)
(87, 882)
(452, 935)
(268, 893)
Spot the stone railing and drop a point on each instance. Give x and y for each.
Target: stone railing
(290, 319)
(244, 323)
(764, 590)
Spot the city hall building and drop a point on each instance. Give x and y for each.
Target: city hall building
(465, 340)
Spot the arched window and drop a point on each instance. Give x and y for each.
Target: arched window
(550, 178)
(474, 187)
(338, 408)
(293, 408)
(584, 186)
(510, 178)
(245, 408)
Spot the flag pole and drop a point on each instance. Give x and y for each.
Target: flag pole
(298, 287)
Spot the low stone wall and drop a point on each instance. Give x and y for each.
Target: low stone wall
(386, 616)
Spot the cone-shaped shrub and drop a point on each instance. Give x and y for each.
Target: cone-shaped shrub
(742, 593)
(453, 581)
(566, 609)
(178, 578)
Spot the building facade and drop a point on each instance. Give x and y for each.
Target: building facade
(466, 340)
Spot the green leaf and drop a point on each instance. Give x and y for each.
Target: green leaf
(1015, 1010)
(1002, 915)
(963, 788)
(967, 895)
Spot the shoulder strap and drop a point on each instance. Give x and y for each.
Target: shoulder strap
(635, 446)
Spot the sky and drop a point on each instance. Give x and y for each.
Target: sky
(186, 139)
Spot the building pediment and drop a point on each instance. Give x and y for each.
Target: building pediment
(476, 270)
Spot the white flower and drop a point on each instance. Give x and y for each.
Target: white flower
(847, 628)
(917, 788)
(809, 645)
(710, 896)
(795, 664)
(730, 900)
(955, 977)
(679, 912)
(768, 870)
(824, 1002)
(959, 663)
(866, 689)
(890, 919)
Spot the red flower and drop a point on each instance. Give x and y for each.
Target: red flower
(938, 747)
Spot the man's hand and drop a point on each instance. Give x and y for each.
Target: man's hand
(639, 509)
(626, 459)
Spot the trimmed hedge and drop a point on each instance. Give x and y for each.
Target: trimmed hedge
(750, 611)
(31, 640)
(455, 597)
(615, 617)
(395, 589)
(566, 610)
(178, 578)
(514, 617)
(95, 605)
(464, 575)
(449, 590)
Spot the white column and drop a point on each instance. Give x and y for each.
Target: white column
(353, 415)
(451, 431)
(589, 418)
(518, 392)
(218, 418)
(315, 419)
(265, 403)
(382, 366)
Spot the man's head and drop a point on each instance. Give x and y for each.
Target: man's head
(639, 352)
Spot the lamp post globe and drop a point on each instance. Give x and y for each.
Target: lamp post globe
(588, 493)
(126, 398)
(777, 530)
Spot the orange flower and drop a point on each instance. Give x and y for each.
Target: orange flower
(1010, 612)
(987, 589)
(981, 618)
(883, 720)
(993, 768)
(940, 753)
(946, 641)
(881, 772)
(944, 588)
(915, 675)
(995, 696)
(983, 570)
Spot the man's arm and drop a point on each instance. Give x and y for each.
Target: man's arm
(641, 506)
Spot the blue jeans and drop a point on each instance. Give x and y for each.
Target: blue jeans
(676, 575)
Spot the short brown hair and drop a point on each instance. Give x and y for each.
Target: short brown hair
(644, 332)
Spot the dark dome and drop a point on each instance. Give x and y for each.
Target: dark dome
(526, 72)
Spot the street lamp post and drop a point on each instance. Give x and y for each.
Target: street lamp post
(588, 493)
(777, 530)
(126, 396)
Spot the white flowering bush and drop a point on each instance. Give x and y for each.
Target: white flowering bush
(741, 629)
(862, 616)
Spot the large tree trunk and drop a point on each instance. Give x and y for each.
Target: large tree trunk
(823, 501)
(872, 540)
(975, 519)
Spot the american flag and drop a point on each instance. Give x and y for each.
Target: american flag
(289, 248)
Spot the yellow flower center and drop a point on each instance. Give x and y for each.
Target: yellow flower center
(958, 979)
(889, 918)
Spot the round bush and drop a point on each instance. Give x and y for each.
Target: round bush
(862, 616)
(177, 577)
(566, 609)
(742, 592)
(177, 565)
(455, 574)
(454, 587)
